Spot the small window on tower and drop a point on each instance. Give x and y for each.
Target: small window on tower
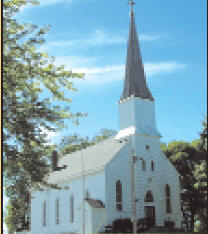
(143, 165)
(147, 147)
(152, 166)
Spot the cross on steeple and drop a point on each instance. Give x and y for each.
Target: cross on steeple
(131, 3)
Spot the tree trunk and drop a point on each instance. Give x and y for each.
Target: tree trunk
(192, 222)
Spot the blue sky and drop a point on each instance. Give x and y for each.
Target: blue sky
(90, 36)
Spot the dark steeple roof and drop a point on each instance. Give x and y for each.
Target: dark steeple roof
(135, 80)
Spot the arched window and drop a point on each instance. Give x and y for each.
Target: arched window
(118, 195)
(152, 166)
(148, 197)
(57, 211)
(72, 209)
(147, 147)
(143, 165)
(44, 213)
(168, 201)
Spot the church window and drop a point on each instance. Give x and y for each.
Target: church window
(44, 213)
(71, 209)
(148, 197)
(143, 165)
(152, 166)
(57, 211)
(118, 195)
(147, 147)
(168, 201)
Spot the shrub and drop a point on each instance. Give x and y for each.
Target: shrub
(122, 225)
(169, 224)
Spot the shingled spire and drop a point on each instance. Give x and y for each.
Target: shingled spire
(135, 80)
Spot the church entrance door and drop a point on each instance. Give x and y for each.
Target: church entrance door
(150, 215)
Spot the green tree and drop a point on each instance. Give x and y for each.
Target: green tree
(28, 77)
(201, 175)
(72, 143)
(185, 157)
(103, 134)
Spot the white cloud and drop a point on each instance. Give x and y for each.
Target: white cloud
(97, 38)
(93, 73)
(101, 75)
(51, 2)
(5, 228)
(151, 37)
(50, 135)
(106, 74)
(100, 70)
(74, 62)
(162, 67)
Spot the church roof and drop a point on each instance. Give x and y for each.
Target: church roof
(135, 79)
(95, 203)
(95, 158)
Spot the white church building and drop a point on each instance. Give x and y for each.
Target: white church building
(102, 183)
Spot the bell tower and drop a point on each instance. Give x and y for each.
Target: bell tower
(136, 105)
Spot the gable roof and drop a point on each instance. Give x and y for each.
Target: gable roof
(95, 203)
(94, 158)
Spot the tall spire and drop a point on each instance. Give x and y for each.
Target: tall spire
(135, 79)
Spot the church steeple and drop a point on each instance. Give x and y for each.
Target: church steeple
(135, 80)
(136, 106)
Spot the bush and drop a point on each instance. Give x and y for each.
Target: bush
(125, 225)
(142, 224)
(122, 225)
(169, 224)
